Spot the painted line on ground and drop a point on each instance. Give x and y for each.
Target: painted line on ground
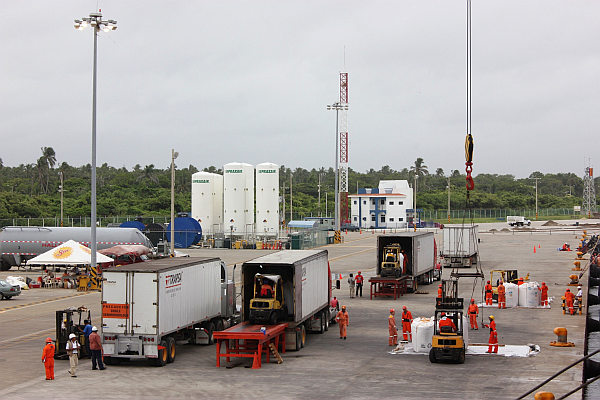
(33, 334)
(351, 254)
(37, 303)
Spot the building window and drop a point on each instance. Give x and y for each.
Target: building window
(400, 219)
(355, 202)
(364, 218)
(391, 203)
(364, 202)
(400, 203)
(373, 201)
(382, 202)
(391, 219)
(383, 218)
(356, 218)
(372, 218)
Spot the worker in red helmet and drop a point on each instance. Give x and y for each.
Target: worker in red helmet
(343, 320)
(544, 296)
(493, 340)
(501, 295)
(407, 319)
(488, 294)
(48, 359)
(445, 321)
(440, 291)
(569, 299)
(473, 313)
(359, 283)
(393, 340)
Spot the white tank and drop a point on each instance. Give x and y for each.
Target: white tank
(422, 334)
(267, 199)
(529, 295)
(238, 198)
(512, 295)
(207, 201)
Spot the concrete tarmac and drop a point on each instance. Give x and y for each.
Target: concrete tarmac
(327, 367)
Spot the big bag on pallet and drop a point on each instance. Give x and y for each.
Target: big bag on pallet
(512, 295)
(529, 295)
(422, 334)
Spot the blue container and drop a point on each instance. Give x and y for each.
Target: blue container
(187, 232)
(133, 224)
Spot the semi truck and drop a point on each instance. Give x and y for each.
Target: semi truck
(20, 243)
(460, 246)
(148, 307)
(300, 294)
(418, 259)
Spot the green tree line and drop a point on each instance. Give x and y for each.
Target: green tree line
(32, 190)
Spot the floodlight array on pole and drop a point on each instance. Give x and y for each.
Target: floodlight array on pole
(337, 106)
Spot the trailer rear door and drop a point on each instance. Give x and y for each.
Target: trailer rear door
(143, 308)
(115, 307)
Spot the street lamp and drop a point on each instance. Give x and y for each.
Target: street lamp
(97, 23)
(337, 106)
(61, 189)
(174, 155)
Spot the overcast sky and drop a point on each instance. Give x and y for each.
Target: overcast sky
(249, 81)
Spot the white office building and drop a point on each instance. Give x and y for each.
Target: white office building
(382, 207)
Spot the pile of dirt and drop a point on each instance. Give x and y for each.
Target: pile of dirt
(493, 230)
(550, 223)
(505, 230)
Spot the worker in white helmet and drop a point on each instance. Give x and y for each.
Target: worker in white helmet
(73, 348)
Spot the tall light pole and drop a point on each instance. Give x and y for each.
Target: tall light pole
(291, 198)
(536, 197)
(448, 199)
(61, 189)
(337, 106)
(174, 155)
(416, 215)
(97, 23)
(319, 186)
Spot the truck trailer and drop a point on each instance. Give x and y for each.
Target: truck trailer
(460, 246)
(300, 295)
(147, 307)
(418, 259)
(20, 243)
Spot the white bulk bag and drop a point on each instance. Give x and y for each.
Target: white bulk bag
(512, 295)
(422, 334)
(529, 295)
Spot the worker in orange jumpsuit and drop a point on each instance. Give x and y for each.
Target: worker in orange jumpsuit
(343, 320)
(392, 328)
(48, 359)
(488, 294)
(569, 297)
(544, 298)
(440, 291)
(266, 290)
(493, 340)
(407, 319)
(445, 321)
(404, 262)
(501, 295)
(473, 313)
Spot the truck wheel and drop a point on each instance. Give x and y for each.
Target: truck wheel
(303, 335)
(273, 318)
(298, 340)
(171, 352)
(219, 325)
(210, 328)
(432, 358)
(161, 361)
(108, 360)
(322, 321)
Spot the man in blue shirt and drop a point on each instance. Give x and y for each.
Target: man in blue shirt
(87, 330)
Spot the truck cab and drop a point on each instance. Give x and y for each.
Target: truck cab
(393, 261)
(267, 305)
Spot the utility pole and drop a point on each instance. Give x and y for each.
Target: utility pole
(283, 213)
(536, 197)
(61, 190)
(319, 186)
(416, 214)
(291, 198)
(448, 199)
(174, 155)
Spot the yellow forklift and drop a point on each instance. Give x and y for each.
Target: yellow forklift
(391, 264)
(267, 306)
(504, 275)
(71, 320)
(447, 343)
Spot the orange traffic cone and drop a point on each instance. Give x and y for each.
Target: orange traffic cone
(360, 233)
(372, 232)
(533, 249)
(539, 246)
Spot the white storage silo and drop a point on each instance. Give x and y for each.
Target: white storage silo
(238, 198)
(267, 199)
(207, 201)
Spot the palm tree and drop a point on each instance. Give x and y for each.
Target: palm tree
(49, 156)
(148, 173)
(419, 168)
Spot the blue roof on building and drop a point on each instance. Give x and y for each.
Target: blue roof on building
(302, 224)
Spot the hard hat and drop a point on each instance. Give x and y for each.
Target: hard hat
(491, 317)
(404, 307)
(440, 285)
(578, 287)
(94, 329)
(488, 281)
(472, 300)
(359, 272)
(443, 314)
(543, 283)
(568, 290)
(48, 340)
(392, 310)
(343, 307)
(72, 336)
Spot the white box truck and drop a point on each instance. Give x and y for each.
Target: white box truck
(417, 259)
(147, 307)
(300, 283)
(517, 220)
(460, 245)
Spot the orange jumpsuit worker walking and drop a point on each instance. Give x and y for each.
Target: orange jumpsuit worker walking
(392, 328)
(48, 359)
(544, 298)
(501, 295)
(493, 341)
(343, 320)
(488, 294)
(569, 297)
(473, 313)
(406, 321)
(440, 291)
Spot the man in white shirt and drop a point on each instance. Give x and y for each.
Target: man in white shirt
(73, 347)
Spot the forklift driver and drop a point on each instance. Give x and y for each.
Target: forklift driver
(446, 324)
(266, 290)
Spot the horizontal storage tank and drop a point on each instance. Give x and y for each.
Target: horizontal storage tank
(133, 224)
(529, 295)
(238, 198)
(267, 199)
(207, 201)
(187, 232)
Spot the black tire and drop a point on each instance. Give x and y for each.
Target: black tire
(322, 318)
(432, 358)
(4, 266)
(171, 350)
(108, 360)
(327, 319)
(161, 361)
(461, 357)
(298, 341)
(1, 296)
(273, 318)
(210, 328)
(219, 325)
(303, 335)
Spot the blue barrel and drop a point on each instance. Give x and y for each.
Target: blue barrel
(187, 232)
(133, 224)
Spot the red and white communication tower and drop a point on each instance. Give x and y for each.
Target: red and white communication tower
(343, 132)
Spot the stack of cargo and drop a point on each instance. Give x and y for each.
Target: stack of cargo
(529, 295)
